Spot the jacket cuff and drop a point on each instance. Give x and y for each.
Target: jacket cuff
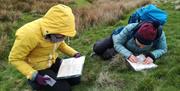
(34, 74)
(149, 54)
(76, 54)
(127, 55)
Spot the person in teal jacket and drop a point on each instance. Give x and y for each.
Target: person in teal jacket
(132, 40)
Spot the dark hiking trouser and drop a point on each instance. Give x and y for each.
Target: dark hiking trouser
(105, 48)
(60, 85)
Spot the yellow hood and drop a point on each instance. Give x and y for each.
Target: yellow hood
(59, 20)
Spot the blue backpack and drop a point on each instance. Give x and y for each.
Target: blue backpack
(149, 13)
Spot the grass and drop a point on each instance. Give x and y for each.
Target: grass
(82, 2)
(99, 75)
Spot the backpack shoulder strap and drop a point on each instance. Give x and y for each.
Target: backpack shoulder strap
(159, 32)
(117, 30)
(134, 30)
(134, 18)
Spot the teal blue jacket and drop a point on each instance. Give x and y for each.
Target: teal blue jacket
(127, 47)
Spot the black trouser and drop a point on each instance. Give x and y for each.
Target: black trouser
(60, 85)
(105, 48)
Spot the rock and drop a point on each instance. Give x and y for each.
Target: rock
(177, 7)
(177, 2)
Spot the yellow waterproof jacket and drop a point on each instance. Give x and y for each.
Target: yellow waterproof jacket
(31, 51)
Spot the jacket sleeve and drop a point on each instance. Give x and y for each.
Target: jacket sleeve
(160, 48)
(23, 45)
(120, 39)
(64, 48)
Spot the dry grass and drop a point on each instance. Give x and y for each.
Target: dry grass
(6, 15)
(118, 63)
(41, 6)
(10, 10)
(106, 79)
(101, 11)
(23, 6)
(104, 12)
(3, 43)
(6, 28)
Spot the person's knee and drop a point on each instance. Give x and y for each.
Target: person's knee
(98, 48)
(95, 49)
(101, 46)
(108, 54)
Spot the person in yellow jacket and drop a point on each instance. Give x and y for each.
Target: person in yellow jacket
(35, 50)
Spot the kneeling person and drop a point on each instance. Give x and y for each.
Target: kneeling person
(34, 52)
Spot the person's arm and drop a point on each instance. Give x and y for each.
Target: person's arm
(120, 39)
(160, 48)
(23, 45)
(64, 48)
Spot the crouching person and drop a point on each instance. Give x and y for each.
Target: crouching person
(137, 38)
(34, 52)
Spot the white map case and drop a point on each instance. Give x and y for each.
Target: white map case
(139, 65)
(71, 67)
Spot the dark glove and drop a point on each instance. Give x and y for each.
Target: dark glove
(41, 80)
(77, 55)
